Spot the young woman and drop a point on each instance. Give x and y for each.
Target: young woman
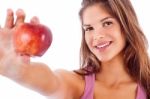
(114, 58)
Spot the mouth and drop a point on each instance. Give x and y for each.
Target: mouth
(102, 46)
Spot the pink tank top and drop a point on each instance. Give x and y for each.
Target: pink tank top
(89, 89)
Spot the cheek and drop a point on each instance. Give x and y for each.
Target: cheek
(122, 41)
(87, 39)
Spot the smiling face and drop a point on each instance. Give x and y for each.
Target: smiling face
(103, 33)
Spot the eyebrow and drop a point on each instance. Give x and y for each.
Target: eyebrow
(86, 25)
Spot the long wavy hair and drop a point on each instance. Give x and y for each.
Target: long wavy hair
(135, 53)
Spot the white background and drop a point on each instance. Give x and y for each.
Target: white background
(61, 16)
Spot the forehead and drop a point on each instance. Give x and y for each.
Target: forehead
(94, 13)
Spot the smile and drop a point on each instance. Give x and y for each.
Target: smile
(103, 46)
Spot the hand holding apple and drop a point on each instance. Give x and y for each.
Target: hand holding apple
(32, 39)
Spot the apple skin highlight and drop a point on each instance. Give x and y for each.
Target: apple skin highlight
(32, 39)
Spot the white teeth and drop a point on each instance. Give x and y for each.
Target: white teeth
(101, 46)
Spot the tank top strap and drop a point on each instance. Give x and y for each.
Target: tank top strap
(141, 94)
(89, 87)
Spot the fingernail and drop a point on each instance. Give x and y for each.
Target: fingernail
(9, 12)
(20, 12)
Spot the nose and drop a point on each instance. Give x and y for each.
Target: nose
(99, 33)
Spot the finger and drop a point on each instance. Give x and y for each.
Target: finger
(35, 20)
(9, 19)
(20, 17)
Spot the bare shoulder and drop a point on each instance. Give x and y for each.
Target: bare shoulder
(69, 75)
(71, 81)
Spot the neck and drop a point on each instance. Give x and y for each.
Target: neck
(113, 72)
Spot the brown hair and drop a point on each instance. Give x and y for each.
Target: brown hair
(135, 52)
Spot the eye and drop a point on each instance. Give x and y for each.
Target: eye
(107, 23)
(88, 29)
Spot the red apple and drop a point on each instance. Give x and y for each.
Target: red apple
(32, 39)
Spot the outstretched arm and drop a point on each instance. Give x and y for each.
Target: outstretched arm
(36, 76)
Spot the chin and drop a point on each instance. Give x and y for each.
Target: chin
(104, 59)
